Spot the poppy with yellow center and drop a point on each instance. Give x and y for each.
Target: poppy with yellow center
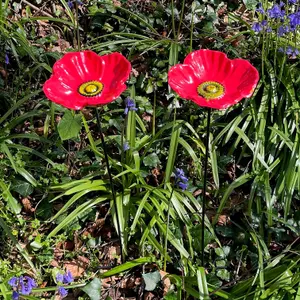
(210, 79)
(85, 78)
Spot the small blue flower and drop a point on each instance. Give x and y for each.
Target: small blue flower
(6, 59)
(13, 282)
(257, 27)
(71, 5)
(129, 105)
(180, 179)
(30, 282)
(126, 146)
(22, 285)
(280, 49)
(264, 22)
(67, 278)
(183, 186)
(25, 285)
(294, 20)
(292, 1)
(275, 12)
(260, 8)
(62, 291)
(269, 29)
(59, 277)
(15, 295)
(282, 30)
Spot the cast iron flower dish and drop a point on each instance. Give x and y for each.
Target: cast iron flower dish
(210, 79)
(87, 79)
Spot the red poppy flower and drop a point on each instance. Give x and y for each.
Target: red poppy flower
(210, 79)
(85, 78)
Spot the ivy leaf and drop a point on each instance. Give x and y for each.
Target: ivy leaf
(93, 289)
(151, 280)
(250, 4)
(22, 187)
(69, 126)
(151, 160)
(223, 274)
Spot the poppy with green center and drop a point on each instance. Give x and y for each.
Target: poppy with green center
(209, 78)
(85, 78)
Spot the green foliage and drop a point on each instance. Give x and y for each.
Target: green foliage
(56, 166)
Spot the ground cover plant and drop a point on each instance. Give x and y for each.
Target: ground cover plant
(102, 187)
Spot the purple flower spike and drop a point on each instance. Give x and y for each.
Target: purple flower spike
(129, 105)
(180, 179)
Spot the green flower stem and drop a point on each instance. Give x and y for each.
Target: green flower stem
(167, 230)
(110, 180)
(205, 184)
(77, 26)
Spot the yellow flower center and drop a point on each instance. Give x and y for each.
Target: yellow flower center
(210, 90)
(90, 88)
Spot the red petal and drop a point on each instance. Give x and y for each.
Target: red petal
(182, 80)
(76, 68)
(116, 71)
(61, 93)
(209, 65)
(242, 79)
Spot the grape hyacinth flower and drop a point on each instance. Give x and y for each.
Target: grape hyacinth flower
(180, 179)
(129, 105)
(22, 285)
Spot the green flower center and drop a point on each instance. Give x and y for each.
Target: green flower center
(210, 90)
(90, 88)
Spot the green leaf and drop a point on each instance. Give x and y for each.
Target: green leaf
(223, 274)
(151, 280)
(151, 160)
(250, 4)
(13, 204)
(93, 289)
(69, 126)
(22, 187)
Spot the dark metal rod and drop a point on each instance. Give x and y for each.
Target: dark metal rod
(205, 183)
(110, 180)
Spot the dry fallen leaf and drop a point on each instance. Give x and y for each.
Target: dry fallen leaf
(27, 205)
(166, 281)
